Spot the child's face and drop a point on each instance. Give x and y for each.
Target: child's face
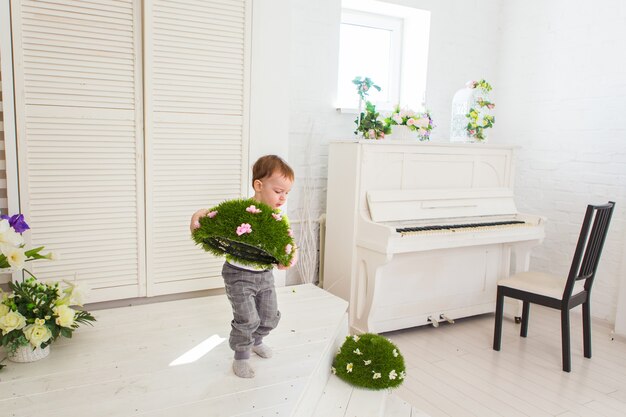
(272, 190)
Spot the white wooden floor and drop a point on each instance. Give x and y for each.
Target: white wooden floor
(453, 371)
(126, 364)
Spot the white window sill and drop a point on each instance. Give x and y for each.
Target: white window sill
(350, 110)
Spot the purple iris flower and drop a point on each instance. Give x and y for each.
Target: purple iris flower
(17, 222)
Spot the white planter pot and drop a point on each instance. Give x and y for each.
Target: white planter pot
(27, 354)
(401, 132)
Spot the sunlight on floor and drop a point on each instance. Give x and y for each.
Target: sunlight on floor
(198, 351)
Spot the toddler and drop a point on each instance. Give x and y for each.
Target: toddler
(251, 290)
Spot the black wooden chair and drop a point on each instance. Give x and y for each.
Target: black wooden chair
(559, 292)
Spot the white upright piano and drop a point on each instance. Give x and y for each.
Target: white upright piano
(419, 233)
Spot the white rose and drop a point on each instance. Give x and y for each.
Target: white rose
(65, 315)
(11, 321)
(4, 310)
(37, 334)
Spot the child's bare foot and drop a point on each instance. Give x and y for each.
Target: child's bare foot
(242, 368)
(263, 350)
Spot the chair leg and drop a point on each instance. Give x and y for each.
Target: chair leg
(565, 344)
(525, 313)
(497, 330)
(587, 329)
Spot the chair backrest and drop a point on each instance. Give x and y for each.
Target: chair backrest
(590, 242)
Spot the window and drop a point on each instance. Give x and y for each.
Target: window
(387, 43)
(370, 46)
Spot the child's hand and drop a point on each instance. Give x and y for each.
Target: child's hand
(293, 261)
(195, 219)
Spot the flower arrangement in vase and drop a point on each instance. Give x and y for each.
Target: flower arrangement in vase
(478, 118)
(420, 123)
(368, 123)
(34, 313)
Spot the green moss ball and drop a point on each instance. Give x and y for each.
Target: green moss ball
(369, 361)
(247, 231)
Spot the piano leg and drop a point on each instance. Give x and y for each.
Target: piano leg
(363, 291)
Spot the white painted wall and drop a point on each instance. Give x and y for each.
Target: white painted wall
(269, 90)
(558, 76)
(270, 67)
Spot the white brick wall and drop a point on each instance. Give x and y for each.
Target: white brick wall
(561, 96)
(560, 89)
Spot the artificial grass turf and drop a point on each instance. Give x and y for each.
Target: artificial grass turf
(267, 243)
(369, 361)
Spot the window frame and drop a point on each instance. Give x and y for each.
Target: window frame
(395, 25)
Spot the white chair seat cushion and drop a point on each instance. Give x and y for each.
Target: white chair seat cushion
(540, 283)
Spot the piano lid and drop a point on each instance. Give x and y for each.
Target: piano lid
(405, 205)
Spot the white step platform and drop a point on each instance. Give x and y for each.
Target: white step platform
(342, 400)
(132, 363)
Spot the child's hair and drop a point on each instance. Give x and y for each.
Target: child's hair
(267, 165)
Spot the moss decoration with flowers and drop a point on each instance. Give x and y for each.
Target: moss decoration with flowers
(248, 232)
(369, 361)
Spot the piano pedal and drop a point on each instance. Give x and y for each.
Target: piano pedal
(435, 323)
(446, 318)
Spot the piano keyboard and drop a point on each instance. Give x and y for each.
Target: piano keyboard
(443, 228)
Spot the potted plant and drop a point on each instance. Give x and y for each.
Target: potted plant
(369, 124)
(34, 313)
(407, 124)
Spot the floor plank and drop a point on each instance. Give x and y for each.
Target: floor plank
(453, 370)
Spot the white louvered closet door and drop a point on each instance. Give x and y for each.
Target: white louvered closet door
(79, 117)
(196, 77)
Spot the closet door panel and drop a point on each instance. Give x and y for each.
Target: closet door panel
(196, 131)
(80, 141)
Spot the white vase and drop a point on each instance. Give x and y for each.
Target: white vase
(401, 132)
(28, 354)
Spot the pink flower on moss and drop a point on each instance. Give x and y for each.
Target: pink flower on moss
(211, 214)
(277, 216)
(252, 209)
(290, 232)
(244, 228)
(288, 249)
